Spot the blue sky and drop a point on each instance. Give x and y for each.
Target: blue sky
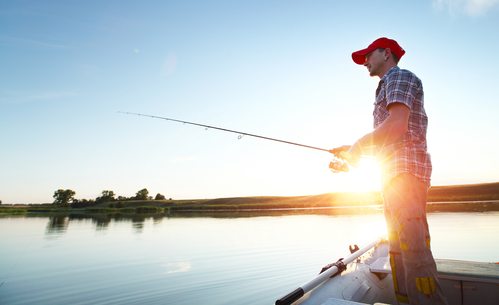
(276, 68)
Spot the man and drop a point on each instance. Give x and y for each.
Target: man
(399, 142)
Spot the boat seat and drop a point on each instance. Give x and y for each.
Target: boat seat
(381, 265)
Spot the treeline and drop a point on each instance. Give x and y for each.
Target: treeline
(66, 198)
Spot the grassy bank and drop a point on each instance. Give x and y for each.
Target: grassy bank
(475, 197)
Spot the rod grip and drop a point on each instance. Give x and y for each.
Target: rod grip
(290, 297)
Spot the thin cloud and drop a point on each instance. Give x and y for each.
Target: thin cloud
(467, 7)
(169, 65)
(29, 42)
(480, 7)
(46, 96)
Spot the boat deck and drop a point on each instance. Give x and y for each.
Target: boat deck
(452, 269)
(476, 271)
(367, 281)
(463, 282)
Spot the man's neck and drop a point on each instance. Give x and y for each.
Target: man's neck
(390, 64)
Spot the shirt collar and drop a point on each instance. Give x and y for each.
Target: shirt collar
(392, 70)
(382, 80)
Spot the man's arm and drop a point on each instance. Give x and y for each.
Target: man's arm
(391, 130)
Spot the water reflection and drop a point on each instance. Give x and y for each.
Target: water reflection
(57, 225)
(185, 260)
(243, 213)
(138, 224)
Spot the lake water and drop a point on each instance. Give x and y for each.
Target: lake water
(200, 260)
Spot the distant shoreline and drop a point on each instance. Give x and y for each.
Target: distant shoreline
(201, 208)
(458, 198)
(432, 207)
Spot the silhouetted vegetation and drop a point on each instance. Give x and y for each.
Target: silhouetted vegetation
(107, 196)
(63, 197)
(83, 203)
(158, 197)
(475, 197)
(143, 194)
(483, 191)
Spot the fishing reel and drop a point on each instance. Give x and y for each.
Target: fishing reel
(338, 165)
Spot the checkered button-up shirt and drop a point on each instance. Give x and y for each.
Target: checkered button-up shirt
(409, 154)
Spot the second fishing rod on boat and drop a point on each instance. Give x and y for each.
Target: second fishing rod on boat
(336, 165)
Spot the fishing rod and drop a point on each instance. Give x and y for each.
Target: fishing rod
(337, 165)
(240, 133)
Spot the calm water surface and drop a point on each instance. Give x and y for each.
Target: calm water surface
(199, 260)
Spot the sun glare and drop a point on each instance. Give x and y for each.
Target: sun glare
(365, 177)
(372, 227)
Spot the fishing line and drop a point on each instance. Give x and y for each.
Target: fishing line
(336, 165)
(240, 133)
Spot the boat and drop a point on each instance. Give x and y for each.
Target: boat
(364, 277)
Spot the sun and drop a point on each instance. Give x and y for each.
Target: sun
(365, 177)
(372, 226)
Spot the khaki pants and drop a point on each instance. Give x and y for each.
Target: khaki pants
(413, 267)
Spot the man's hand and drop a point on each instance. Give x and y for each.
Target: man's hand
(347, 155)
(340, 163)
(339, 152)
(338, 166)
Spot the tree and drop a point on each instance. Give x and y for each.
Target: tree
(143, 194)
(107, 196)
(82, 203)
(159, 197)
(63, 197)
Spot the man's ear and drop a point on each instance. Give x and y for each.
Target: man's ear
(388, 53)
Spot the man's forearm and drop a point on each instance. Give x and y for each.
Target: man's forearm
(388, 132)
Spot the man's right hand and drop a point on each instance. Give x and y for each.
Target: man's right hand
(341, 152)
(340, 163)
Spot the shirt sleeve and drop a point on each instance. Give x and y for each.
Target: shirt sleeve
(402, 87)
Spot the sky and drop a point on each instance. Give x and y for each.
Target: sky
(280, 69)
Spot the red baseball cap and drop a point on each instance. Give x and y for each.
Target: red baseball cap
(359, 57)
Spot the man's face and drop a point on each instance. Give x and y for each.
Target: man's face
(375, 61)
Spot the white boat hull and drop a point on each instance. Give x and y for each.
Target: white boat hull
(368, 280)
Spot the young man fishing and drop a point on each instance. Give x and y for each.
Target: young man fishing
(399, 142)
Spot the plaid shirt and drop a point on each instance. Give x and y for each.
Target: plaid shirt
(409, 154)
